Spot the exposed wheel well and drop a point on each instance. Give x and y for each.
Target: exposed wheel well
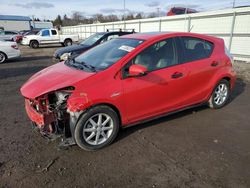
(227, 79)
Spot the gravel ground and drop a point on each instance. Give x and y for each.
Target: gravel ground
(195, 148)
(243, 70)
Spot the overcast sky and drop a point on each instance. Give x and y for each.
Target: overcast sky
(49, 9)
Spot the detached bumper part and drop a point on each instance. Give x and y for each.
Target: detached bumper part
(38, 118)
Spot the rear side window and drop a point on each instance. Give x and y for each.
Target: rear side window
(10, 33)
(178, 11)
(195, 49)
(53, 32)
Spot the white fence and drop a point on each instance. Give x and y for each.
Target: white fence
(233, 25)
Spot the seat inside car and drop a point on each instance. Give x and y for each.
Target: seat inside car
(165, 56)
(146, 59)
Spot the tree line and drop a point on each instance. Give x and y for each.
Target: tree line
(77, 18)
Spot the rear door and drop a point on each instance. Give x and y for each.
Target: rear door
(196, 58)
(55, 38)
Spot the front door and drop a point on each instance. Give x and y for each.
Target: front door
(160, 89)
(45, 37)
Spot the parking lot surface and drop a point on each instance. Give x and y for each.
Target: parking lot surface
(195, 148)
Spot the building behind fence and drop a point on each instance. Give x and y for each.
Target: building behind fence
(233, 25)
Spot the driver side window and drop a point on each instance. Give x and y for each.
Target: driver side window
(45, 33)
(157, 56)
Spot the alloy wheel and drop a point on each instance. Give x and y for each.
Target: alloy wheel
(98, 129)
(221, 94)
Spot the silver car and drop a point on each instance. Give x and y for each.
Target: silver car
(8, 35)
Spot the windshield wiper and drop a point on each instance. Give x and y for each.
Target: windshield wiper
(81, 65)
(71, 62)
(91, 67)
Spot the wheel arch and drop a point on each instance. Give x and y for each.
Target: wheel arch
(33, 40)
(4, 54)
(68, 39)
(113, 107)
(217, 78)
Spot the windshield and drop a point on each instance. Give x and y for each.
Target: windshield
(104, 55)
(92, 39)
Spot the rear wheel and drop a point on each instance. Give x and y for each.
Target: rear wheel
(67, 42)
(34, 44)
(97, 128)
(3, 57)
(220, 95)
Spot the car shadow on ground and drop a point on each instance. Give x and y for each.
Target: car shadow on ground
(48, 46)
(30, 58)
(14, 72)
(238, 90)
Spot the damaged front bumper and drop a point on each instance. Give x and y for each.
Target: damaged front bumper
(48, 115)
(40, 119)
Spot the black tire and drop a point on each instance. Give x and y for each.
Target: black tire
(83, 121)
(3, 57)
(34, 44)
(212, 101)
(67, 42)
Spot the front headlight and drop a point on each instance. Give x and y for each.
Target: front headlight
(65, 56)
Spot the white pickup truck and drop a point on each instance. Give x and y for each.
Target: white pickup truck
(48, 36)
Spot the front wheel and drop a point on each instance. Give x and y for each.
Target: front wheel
(34, 44)
(97, 128)
(220, 95)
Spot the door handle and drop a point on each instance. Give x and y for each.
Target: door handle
(177, 75)
(214, 63)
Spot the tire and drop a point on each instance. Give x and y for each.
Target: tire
(34, 44)
(3, 57)
(220, 95)
(67, 42)
(90, 126)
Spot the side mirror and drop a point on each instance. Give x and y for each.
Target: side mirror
(137, 70)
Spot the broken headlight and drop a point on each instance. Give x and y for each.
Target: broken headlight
(65, 56)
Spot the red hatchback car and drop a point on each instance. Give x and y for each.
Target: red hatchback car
(125, 81)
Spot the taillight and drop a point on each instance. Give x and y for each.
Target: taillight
(14, 46)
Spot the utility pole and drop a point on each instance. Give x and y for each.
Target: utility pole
(124, 9)
(33, 21)
(124, 12)
(158, 11)
(233, 3)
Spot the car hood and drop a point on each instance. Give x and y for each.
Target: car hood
(52, 78)
(72, 48)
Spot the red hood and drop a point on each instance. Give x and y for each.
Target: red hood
(52, 78)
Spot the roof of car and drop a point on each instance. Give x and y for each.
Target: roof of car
(155, 35)
(16, 18)
(146, 35)
(113, 32)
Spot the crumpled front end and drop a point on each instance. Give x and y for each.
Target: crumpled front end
(49, 113)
